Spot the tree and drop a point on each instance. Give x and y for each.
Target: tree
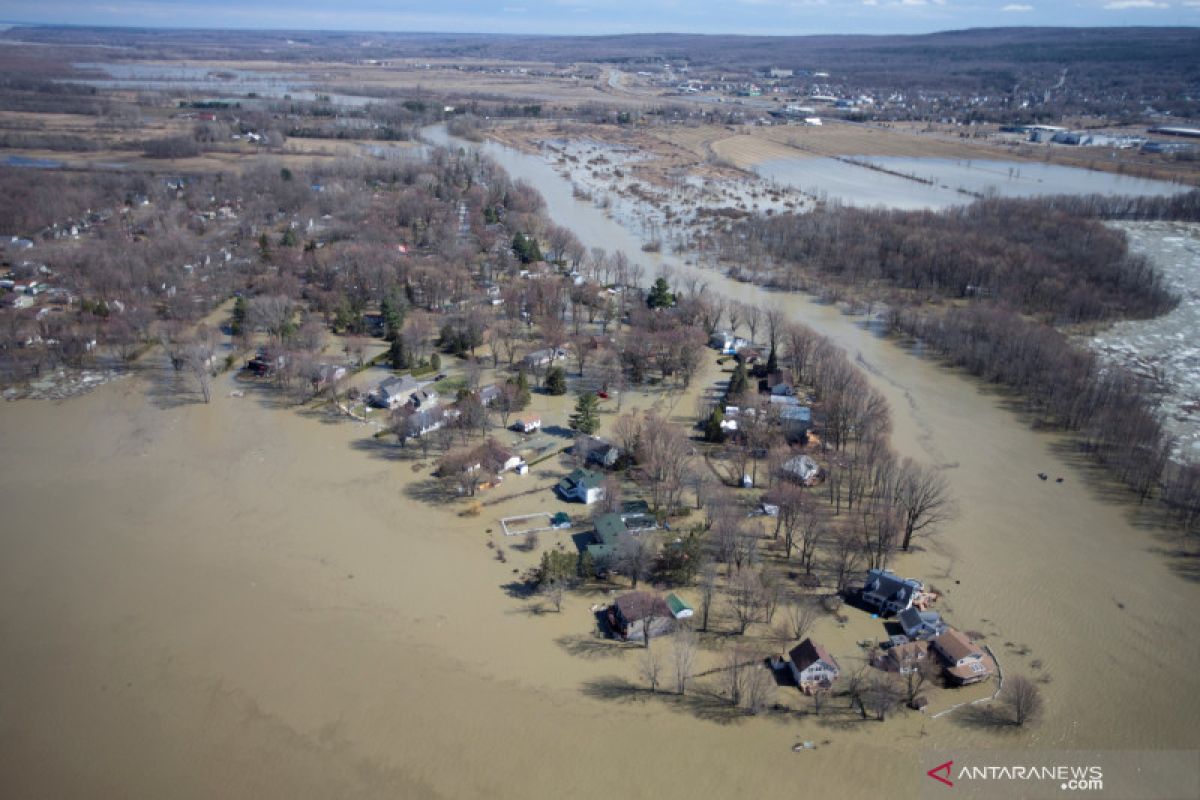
(435, 362)
(586, 568)
(651, 666)
(554, 592)
(397, 356)
(660, 295)
(237, 324)
(739, 384)
(923, 498)
(556, 381)
(883, 693)
(801, 615)
(1022, 699)
(557, 567)
(635, 555)
(586, 418)
(759, 688)
(684, 646)
(746, 594)
(708, 592)
(713, 432)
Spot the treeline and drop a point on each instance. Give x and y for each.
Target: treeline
(1027, 255)
(1184, 207)
(1112, 411)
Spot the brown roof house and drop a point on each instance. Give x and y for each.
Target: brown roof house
(965, 662)
(636, 615)
(812, 667)
(904, 658)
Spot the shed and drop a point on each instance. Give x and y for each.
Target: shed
(679, 609)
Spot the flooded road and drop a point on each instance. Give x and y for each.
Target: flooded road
(239, 600)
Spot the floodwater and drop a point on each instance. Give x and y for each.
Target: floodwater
(1164, 349)
(945, 182)
(240, 600)
(229, 85)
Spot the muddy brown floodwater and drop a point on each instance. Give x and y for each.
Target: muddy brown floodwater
(237, 600)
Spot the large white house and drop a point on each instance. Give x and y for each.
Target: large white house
(812, 666)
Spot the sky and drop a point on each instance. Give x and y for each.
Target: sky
(781, 17)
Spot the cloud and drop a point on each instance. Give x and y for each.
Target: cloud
(1016, 8)
(1124, 5)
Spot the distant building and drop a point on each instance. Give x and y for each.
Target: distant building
(727, 342)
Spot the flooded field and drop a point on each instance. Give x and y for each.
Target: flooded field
(226, 84)
(911, 183)
(245, 600)
(1164, 350)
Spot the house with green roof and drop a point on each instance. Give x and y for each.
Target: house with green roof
(608, 530)
(582, 485)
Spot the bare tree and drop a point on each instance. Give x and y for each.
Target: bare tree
(759, 688)
(800, 617)
(746, 594)
(554, 592)
(684, 646)
(923, 498)
(1022, 699)
(635, 555)
(883, 693)
(651, 666)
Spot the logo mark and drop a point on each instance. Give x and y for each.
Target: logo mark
(941, 773)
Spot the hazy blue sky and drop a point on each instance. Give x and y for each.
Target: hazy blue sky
(607, 16)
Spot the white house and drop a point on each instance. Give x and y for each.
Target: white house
(527, 424)
(812, 666)
(727, 342)
(583, 485)
(394, 392)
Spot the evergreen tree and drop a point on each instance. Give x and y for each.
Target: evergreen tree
(556, 380)
(586, 418)
(587, 566)
(391, 308)
(772, 362)
(524, 395)
(435, 361)
(713, 432)
(289, 238)
(660, 295)
(238, 323)
(397, 354)
(739, 382)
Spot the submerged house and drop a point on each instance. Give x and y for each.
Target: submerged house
(965, 662)
(610, 527)
(801, 469)
(888, 592)
(394, 392)
(636, 615)
(919, 624)
(813, 667)
(904, 658)
(582, 485)
(796, 421)
(727, 342)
